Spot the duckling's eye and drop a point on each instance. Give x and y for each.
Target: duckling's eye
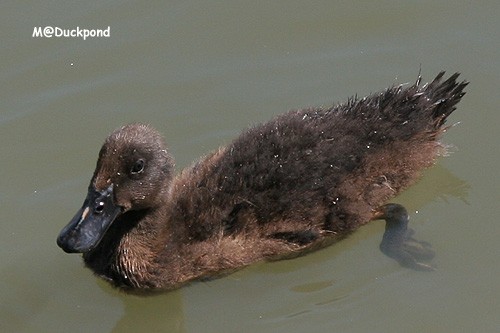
(138, 167)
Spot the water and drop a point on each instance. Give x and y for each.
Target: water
(200, 72)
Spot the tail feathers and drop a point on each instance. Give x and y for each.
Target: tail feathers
(443, 96)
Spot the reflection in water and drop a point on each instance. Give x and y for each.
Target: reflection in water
(436, 183)
(159, 313)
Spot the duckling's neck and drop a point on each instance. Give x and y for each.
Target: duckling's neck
(129, 253)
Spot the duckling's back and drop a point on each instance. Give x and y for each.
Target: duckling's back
(317, 174)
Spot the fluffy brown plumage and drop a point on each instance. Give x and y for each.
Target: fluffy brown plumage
(305, 179)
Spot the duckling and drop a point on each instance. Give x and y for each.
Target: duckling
(304, 180)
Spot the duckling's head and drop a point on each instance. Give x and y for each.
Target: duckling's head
(135, 163)
(133, 172)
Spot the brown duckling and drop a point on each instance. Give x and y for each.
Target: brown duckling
(303, 180)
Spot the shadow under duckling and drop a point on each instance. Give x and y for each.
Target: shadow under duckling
(301, 181)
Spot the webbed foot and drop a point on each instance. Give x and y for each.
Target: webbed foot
(398, 243)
